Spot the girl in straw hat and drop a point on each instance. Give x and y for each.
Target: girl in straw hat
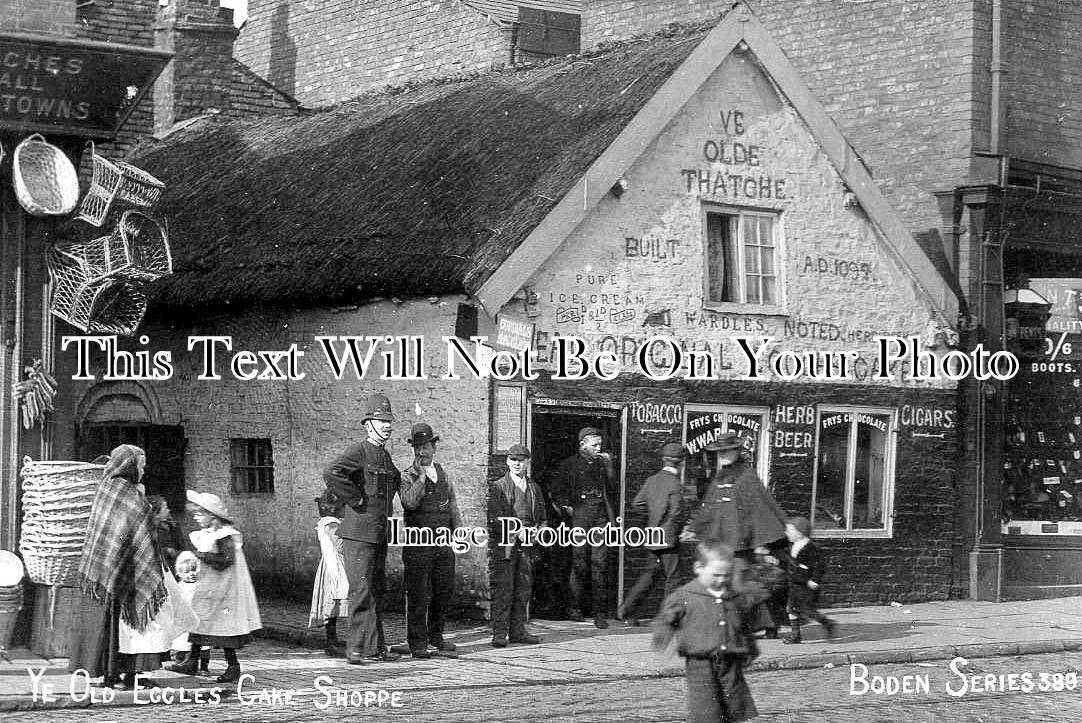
(224, 598)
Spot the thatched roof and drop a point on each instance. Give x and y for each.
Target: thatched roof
(406, 193)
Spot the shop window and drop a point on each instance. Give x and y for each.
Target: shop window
(742, 258)
(854, 472)
(252, 466)
(703, 423)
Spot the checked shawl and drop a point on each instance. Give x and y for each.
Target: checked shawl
(120, 563)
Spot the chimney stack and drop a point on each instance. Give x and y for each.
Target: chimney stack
(198, 80)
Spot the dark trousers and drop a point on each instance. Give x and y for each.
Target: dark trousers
(665, 565)
(430, 583)
(366, 570)
(513, 580)
(804, 603)
(717, 690)
(589, 564)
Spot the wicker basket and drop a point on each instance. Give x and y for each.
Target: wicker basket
(106, 306)
(116, 181)
(54, 530)
(45, 181)
(136, 250)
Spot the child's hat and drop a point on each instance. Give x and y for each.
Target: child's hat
(802, 524)
(184, 558)
(211, 503)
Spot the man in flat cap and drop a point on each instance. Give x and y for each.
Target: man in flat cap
(429, 501)
(513, 495)
(582, 488)
(661, 500)
(365, 479)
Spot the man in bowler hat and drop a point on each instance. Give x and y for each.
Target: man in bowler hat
(365, 479)
(513, 495)
(582, 489)
(429, 501)
(661, 499)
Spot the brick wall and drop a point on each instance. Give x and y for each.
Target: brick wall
(327, 51)
(52, 17)
(1042, 51)
(311, 420)
(253, 95)
(609, 20)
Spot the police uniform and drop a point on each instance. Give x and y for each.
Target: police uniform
(365, 479)
(429, 570)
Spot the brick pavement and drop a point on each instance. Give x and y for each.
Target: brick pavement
(577, 653)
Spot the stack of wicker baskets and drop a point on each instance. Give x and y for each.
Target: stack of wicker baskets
(57, 497)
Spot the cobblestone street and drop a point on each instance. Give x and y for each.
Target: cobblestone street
(790, 696)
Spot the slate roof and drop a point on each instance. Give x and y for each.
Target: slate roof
(411, 192)
(506, 11)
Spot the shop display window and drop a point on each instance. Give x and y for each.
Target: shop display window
(854, 472)
(704, 422)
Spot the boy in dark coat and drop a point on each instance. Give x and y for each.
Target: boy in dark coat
(806, 565)
(708, 618)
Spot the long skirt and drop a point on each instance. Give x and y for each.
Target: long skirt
(94, 642)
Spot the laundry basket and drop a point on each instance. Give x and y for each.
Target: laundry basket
(45, 181)
(57, 497)
(113, 183)
(136, 250)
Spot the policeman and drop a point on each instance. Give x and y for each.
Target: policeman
(582, 489)
(365, 479)
(429, 501)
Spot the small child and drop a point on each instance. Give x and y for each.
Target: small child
(224, 598)
(330, 592)
(187, 570)
(806, 566)
(708, 618)
(169, 539)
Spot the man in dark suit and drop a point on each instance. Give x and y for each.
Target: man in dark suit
(428, 499)
(513, 495)
(582, 490)
(661, 499)
(365, 479)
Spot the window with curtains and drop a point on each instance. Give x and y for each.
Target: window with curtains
(743, 259)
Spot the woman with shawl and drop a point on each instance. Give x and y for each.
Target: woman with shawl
(120, 574)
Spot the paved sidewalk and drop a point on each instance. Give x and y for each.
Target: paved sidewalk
(285, 663)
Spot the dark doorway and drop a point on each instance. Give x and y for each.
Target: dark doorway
(164, 446)
(554, 437)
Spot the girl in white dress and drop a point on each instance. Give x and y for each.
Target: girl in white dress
(330, 591)
(224, 598)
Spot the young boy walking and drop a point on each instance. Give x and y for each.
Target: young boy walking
(806, 565)
(708, 618)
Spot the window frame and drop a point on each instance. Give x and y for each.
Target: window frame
(889, 471)
(740, 213)
(763, 450)
(240, 447)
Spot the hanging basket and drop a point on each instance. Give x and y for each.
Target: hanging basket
(136, 250)
(45, 181)
(105, 306)
(116, 182)
(53, 534)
